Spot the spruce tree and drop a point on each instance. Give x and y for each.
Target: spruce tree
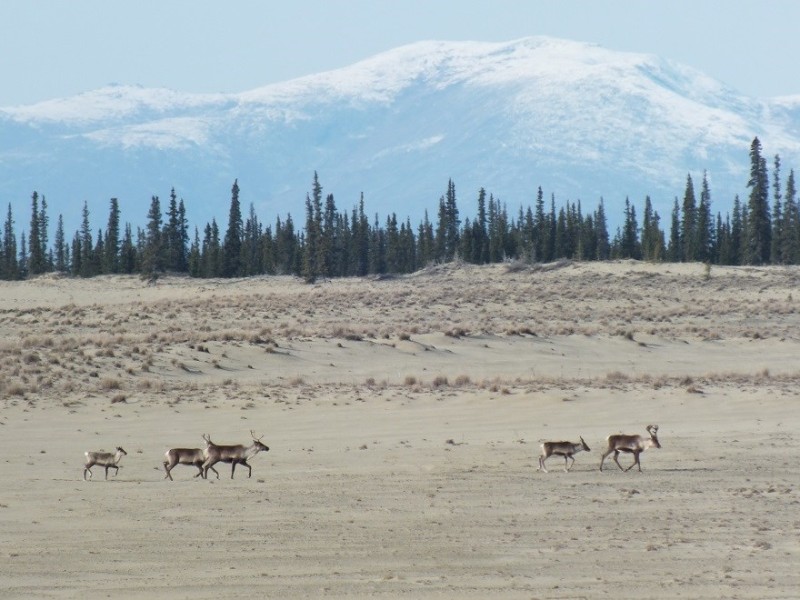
(194, 265)
(776, 238)
(311, 244)
(112, 242)
(23, 260)
(452, 222)
(232, 246)
(61, 263)
(738, 232)
(689, 223)
(705, 232)
(153, 251)
(481, 231)
(757, 226)
(36, 258)
(601, 229)
(10, 265)
(790, 250)
(44, 223)
(86, 245)
(540, 228)
(128, 256)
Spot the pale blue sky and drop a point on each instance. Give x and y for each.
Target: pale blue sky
(56, 48)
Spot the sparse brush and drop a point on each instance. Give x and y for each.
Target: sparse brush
(439, 381)
(15, 389)
(31, 358)
(108, 383)
(462, 380)
(617, 377)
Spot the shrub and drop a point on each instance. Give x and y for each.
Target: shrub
(110, 383)
(462, 380)
(439, 381)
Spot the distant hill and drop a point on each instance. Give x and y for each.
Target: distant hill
(576, 119)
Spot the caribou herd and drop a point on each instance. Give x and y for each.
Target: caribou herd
(202, 458)
(205, 458)
(619, 442)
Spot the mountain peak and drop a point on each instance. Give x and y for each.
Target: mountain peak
(577, 119)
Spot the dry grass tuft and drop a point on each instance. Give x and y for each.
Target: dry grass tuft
(439, 381)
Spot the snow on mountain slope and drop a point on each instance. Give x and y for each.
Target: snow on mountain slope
(581, 121)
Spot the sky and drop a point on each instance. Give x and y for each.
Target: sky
(57, 48)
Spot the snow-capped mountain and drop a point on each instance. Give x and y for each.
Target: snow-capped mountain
(581, 121)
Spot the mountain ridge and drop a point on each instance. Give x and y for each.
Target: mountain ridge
(581, 121)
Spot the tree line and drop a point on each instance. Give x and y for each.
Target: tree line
(764, 229)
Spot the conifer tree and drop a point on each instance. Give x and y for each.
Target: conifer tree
(360, 232)
(689, 223)
(790, 250)
(232, 246)
(704, 224)
(776, 238)
(426, 252)
(22, 261)
(674, 251)
(153, 244)
(588, 239)
(650, 246)
(268, 251)
(112, 242)
(481, 231)
(540, 228)
(36, 258)
(212, 251)
(128, 258)
(61, 262)
(738, 232)
(393, 251)
(328, 243)
(601, 228)
(757, 226)
(452, 222)
(286, 252)
(86, 246)
(44, 223)
(441, 232)
(377, 249)
(194, 264)
(252, 250)
(311, 244)
(77, 254)
(176, 235)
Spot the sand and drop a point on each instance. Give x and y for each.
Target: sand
(404, 417)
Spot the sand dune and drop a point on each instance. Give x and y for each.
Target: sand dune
(404, 417)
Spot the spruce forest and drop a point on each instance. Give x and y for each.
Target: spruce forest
(764, 229)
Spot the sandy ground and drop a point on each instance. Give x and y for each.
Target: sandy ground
(404, 418)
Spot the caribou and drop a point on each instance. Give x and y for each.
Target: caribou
(237, 454)
(565, 449)
(104, 459)
(186, 456)
(632, 444)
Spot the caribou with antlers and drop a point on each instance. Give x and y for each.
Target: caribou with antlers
(186, 456)
(632, 444)
(565, 449)
(231, 454)
(104, 459)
